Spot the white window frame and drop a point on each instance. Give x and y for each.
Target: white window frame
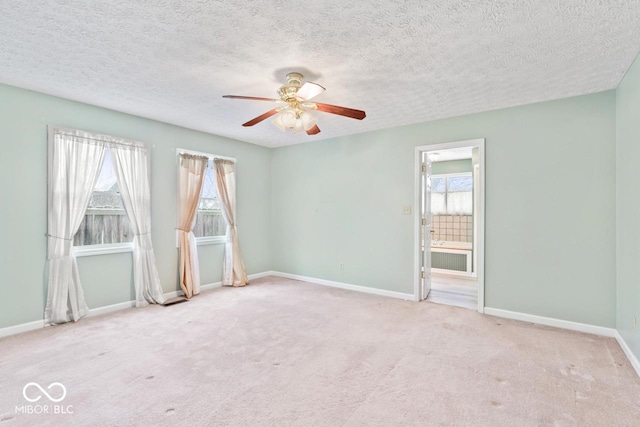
(208, 240)
(109, 248)
(106, 249)
(446, 188)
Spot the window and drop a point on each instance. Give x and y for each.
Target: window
(210, 226)
(105, 222)
(209, 219)
(452, 194)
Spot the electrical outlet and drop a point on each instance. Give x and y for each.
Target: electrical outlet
(634, 323)
(406, 210)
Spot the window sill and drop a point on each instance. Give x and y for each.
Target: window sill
(214, 240)
(114, 248)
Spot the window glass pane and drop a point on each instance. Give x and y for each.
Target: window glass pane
(209, 190)
(105, 220)
(107, 178)
(437, 184)
(438, 206)
(209, 219)
(460, 203)
(460, 183)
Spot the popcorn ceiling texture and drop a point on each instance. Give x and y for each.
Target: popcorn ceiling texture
(402, 62)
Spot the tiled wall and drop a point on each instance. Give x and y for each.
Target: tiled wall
(452, 228)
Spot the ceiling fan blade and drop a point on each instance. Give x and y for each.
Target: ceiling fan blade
(252, 98)
(262, 117)
(341, 111)
(314, 130)
(309, 90)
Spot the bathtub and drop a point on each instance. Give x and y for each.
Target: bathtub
(452, 257)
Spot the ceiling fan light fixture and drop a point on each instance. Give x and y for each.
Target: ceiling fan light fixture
(308, 120)
(295, 121)
(278, 122)
(291, 116)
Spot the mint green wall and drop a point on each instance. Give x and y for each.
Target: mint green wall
(339, 201)
(452, 166)
(628, 206)
(550, 206)
(107, 279)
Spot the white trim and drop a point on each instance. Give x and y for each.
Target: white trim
(550, 321)
(451, 145)
(348, 286)
(110, 308)
(480, 247)
(260, 275)
(22, 327)
(113, 248)
(210, 240)
(39, 324)
(627, 351)
(417, 258)
(572, 326)
(180, 292)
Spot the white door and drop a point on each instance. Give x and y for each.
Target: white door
(425, 211)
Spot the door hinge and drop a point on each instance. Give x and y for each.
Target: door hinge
(424, 168)
(424, 221)
(422, 275)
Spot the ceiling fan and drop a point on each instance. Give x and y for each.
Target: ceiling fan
(293, 115)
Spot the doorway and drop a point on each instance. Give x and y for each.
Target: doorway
(449, 228)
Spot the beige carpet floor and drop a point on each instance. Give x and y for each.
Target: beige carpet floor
(287, 353)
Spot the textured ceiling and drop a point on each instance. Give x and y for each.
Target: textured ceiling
(401, 61)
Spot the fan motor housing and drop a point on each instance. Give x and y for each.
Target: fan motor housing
(289, 90)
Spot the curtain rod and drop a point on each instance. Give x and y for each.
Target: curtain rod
(200, 153)
(127, 144)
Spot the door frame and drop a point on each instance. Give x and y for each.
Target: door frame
(480, 144)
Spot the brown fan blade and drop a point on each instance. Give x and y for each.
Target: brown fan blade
(251, 98)
(341, 111)
(314, 130)
(261, 118)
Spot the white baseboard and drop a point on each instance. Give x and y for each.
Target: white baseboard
(216, 285)
(23, 327)
(110, 308)
(357, 288)
(259, 275)
(627, 351)
(550, 321)
(573, 326)
(39, 324)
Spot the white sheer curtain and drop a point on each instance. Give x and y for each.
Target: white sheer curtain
(74, 161)
(131, 166)
(191, 175)
(233, 272)
(438, 204)
(460, 203)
